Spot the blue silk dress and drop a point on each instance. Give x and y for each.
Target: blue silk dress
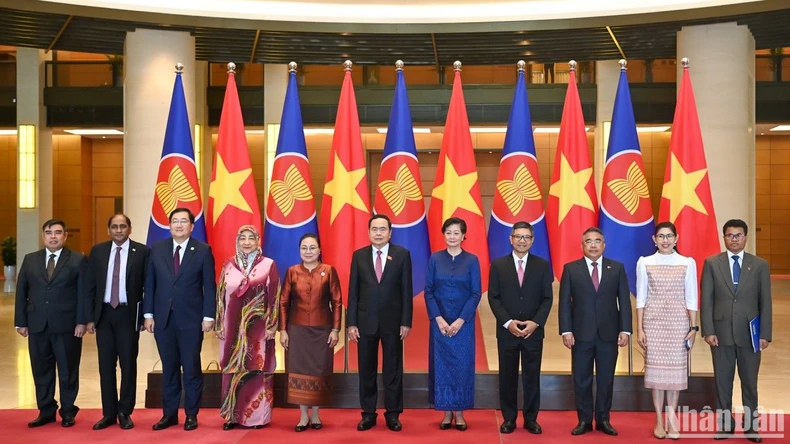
(452, 290)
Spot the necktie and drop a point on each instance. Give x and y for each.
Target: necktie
(736, 272)
(595, 278)
(177, 260)
(50, 266)
(115, 299)
(379, 266)
(520, 272)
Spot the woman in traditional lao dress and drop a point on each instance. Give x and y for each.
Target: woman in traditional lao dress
(247, 310)
(666, 310)
(309, 326)
(452, 292)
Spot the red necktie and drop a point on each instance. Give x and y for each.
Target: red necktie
(520, 272)
(379, 266)
(177, 260)
(595, 279)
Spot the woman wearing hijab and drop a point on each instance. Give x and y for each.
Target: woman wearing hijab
(309, 326)
(247, 310)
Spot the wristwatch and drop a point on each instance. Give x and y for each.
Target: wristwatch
(694, 327)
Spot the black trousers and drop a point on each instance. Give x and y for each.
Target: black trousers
(392, 373)
(49, 351)
(530, 353)
(180, 349)
(583, 355)
(117, 339)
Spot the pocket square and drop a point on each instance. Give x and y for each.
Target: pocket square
(389, 258)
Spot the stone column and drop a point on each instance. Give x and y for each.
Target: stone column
(30, 110)
(201, 118)
(722, 74)
(607, 74)
(149, 61)
(275, 84)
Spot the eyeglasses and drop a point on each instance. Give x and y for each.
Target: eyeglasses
(179, 222)
(593, 242)
(310, 248)
(668, 237)
(523, 237)
(735, 237)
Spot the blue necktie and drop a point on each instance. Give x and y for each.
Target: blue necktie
(736, 272)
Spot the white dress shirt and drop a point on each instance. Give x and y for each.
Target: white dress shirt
(121, 276)
(384, 251)
(515, 264)
(57, 256)
(732, 262)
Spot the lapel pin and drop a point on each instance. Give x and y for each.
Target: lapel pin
(192, 248)
(608, 266)
(389, 258)
(749, 268)
(323, 274)
(134, 249)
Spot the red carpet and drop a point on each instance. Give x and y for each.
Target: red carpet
(420, 426)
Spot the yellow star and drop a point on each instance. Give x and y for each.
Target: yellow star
(456, 191)
(226, 189)
(570, 188)
(681, 189)
(343, 188)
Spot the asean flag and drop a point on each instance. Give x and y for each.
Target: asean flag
(686, 199)
(573, 204)
(345, 207)
(456, 190)
(232, 200)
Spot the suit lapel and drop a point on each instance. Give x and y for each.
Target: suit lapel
(130, 257)
(604, 270)
(746, 270)
(43, 257)
(724, 269)
(62, 260)
(188, 254)
(588, 277)
(167, 249)
(104, 265)
(386, 261)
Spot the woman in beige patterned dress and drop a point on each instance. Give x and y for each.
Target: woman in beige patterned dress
(666, 311)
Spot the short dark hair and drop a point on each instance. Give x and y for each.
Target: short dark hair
(128, 221)
(454, 221)
(380, 216)
(521, 225)
(735, 223)
(668, 225)
(52, 222)
(182, 210)
(310, 236)
(593, 230)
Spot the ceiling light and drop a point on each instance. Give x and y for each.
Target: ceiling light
(94, 132)
(780, 128)
(309, 131)
(415, 130)
(651, 129)
(553, 130)
(481, 129)
(7, 132)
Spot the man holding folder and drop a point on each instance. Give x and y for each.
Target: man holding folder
(736, 295)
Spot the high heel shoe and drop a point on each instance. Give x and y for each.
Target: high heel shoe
(316, 425)
(230, 425)
(446, 425)
(659, 433)
(301, 428)
(460, 427)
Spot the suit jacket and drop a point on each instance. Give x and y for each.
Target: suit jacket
(96, 278)
(56, 304)
(384, 306)
(188, 296)
(529, 301)
(586, 312)
(726, 312)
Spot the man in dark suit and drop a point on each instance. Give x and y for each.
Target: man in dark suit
(736, 288)
(595, 318)
(520, 295)
(114, 289)
(380, 309)
(52, 314)
(180, 294)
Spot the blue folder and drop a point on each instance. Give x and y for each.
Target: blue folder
(754, 328)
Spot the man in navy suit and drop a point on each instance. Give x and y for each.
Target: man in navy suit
(179, 306)
(595, 318)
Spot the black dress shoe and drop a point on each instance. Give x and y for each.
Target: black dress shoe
(190, 423)
(316, 425)
(68, 421)
(165, 422)
(723, 434)
(394, 425)
(230, 425)
(753, 436)
(533, 427)
(507, 427)
(104, 423)
(366, 424)
(125, 421)
(581, 428)
(41, 420)
(461, 427)
(606, 427)
(300, 428)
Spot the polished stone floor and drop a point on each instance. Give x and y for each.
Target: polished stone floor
(17, 391)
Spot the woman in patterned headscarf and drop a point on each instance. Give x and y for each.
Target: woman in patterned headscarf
(247, 310)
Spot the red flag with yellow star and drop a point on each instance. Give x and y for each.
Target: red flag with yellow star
(686, 199)
(573, 204)
(232, 200)
(456, 189)
(345, 208)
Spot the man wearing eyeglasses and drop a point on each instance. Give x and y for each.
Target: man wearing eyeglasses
(595, 318)
(519, 293)
(736, 290)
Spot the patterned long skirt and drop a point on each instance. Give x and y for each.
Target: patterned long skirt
(247, 398)
(309, 362)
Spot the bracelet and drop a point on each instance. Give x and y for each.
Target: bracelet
(335, 330)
